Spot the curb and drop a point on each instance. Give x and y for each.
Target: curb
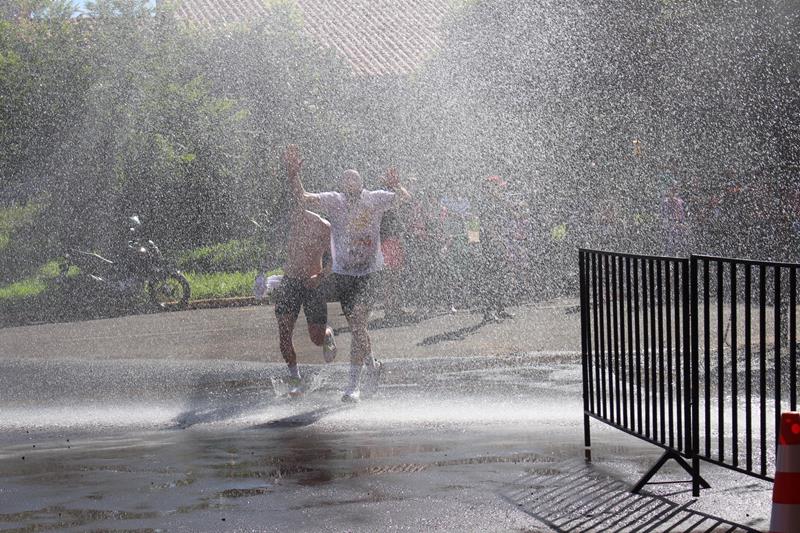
(13, 319)
(216, 303)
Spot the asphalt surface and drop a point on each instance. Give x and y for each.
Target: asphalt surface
(181, 422)
(250, 334)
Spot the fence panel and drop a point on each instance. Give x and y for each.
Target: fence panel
(744, 340)
(635, 336)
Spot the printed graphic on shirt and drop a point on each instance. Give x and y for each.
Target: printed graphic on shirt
(360, 254)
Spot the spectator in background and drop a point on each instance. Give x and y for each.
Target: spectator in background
(454, 253)
(518, 236)
(424, 244)
(673, 218)
(394, 262)
(605, 219)
(494, 221)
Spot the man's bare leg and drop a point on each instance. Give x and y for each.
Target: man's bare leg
(360, 350)
(361, 347)
(322, 335)
(285, 331)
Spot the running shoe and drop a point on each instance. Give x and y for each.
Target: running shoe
(329, 347)
(295, 387)
(351, 395)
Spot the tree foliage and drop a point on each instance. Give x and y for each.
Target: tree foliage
(586, 108)
(124, 111)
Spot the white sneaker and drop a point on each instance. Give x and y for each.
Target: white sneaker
(351, 395)
(295, 388)
(329, 347)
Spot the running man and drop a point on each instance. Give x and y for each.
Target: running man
(355, 214)
(308, 241)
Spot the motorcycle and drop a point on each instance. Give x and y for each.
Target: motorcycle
(140, 266)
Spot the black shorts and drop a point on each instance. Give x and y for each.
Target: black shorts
(292, 294)
(355, 290)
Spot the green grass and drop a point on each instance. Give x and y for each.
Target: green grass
(232, 256)
(222, 284)
(34, 285)
(204, 285)
(14, 217)
(23, 289)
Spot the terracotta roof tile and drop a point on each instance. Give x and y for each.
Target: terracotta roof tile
(378, 37)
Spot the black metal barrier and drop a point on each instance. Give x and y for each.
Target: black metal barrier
(697, 356)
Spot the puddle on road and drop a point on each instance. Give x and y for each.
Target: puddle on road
(58, 517)
(234, 442)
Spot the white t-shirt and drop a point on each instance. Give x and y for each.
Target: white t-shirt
(355, 230)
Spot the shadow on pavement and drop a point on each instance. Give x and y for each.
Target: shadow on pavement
(302, 419)
(214, 399)
(455, 335)
(406, 319)
(577, 497)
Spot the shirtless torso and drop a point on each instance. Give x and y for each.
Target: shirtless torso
(309, 239)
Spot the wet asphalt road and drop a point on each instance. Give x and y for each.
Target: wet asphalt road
(97, 435)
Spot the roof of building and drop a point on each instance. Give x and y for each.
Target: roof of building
(378, 37)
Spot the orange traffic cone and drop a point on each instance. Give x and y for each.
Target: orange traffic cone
(786, 490)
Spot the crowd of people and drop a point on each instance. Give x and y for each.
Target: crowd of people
(754, 215)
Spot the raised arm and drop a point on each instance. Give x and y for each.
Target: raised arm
(392, 182)
(293, 163)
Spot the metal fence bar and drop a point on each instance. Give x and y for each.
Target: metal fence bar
(777, 354)
(653, 350)
(734, 371)
(669, 375)
(762, 362)
(688, 303)
(647, 334)
(734, 375)
(609, 356)
(707, 356)
(622, 376)
(635, 268)
(694, 438)
(679, 302)
(601, 322)
(597, 346)
(720, 363)
(748, 366)
(615, 331)
(660, 376)
(631, 350)
(793, 339)
(586, 352)
(586, 329)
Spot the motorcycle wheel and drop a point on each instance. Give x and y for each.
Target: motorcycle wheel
(172, 292)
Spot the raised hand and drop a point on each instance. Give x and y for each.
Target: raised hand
(392, 178)
(292, 160)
